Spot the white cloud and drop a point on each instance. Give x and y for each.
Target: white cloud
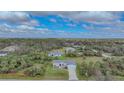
(53, 20)
(93, 15)
(71, 25)
(17, 18)
(104, 29)
(5, 28)
(14, 16)
(31, 23)
(26, 24)
(81, 15)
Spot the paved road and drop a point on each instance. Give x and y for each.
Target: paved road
(72, 72)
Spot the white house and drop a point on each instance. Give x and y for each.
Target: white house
(3, 53)
(63, 63)
(55, 54)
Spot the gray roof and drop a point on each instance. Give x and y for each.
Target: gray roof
(58, 61)
(68, 62)
(71, 62)
(56, 53)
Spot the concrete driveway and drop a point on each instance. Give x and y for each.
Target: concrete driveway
(72, 72)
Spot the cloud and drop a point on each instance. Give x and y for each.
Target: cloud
(82, 15)
(53, 20)
(5, 28)
(31, 23)
(95, 22)
(101, 21)
(14, 16)
(71, 25)
(94, 16)
(112, 29)
(17, 18)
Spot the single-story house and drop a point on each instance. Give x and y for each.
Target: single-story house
(3, 53)
(63, 63)
(55, 53)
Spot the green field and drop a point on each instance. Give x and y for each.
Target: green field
(56, 74)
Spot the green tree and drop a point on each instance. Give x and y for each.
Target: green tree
(35, 71)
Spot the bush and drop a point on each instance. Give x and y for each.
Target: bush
(12, 64)
(35, 71)
(98, 70)
(71, 55)
(87, 69)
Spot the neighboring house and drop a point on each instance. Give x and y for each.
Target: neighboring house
(70, 49)
(55, 53)
(63, 63)
(3, 53)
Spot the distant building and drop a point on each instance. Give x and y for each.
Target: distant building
(11, 48)
(76, 46)
(3, 53)
(63, 63)
(70, 49)
(55, 54)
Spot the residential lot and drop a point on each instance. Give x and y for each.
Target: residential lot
(32, 59)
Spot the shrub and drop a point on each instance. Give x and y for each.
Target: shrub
(35, 71)
(87, 69)
(98, 70)
(71, 54)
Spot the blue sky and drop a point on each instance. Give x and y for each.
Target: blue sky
(69, 24)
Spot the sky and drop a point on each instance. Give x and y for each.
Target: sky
(61, 24)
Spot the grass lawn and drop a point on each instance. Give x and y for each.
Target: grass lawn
(56, 74)
(78, 60)
(18, 76)
(50, 74)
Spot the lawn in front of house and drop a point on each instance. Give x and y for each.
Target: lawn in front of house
(55, 74)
